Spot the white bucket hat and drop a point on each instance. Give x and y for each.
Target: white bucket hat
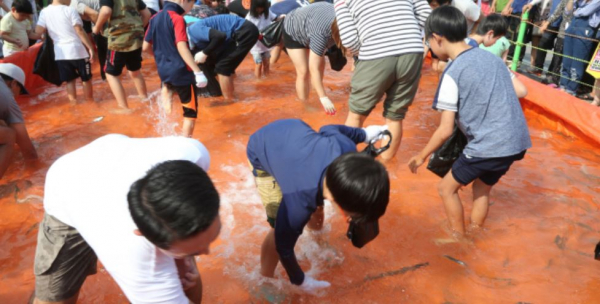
(15, 73)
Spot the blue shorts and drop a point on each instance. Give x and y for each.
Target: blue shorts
(259, 57)
(466, 169)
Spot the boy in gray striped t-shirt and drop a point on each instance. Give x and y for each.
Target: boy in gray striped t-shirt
(489, 115)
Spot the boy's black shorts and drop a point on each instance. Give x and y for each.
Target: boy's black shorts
(290, 43)
(186, 94)
(245, 38)
(115, 61)
(72, 69)
(489, 170)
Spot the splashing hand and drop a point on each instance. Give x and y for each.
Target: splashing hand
(328, 105)
(414, 163)
(311, 285)
(201, 80)
(374, 133)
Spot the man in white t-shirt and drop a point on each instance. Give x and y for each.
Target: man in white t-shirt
(142, 206)
(469, 8)
(65, 27)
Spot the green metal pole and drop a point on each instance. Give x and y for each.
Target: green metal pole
(519, 41)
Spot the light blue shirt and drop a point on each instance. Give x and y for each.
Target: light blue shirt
(589, 9)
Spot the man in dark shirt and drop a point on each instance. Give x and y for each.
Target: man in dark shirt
(297, 168)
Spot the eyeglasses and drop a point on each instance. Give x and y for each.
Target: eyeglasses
(427, 43)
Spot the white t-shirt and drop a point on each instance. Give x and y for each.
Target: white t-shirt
(470, 10)
(60, 20)
(260, 23)
(87, 189)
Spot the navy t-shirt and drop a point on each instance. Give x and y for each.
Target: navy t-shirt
(199, 31)
(297, 156)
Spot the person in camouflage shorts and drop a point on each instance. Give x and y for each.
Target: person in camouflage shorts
(122, 22)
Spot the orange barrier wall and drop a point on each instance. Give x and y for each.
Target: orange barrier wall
(25, 60)
(579, 116)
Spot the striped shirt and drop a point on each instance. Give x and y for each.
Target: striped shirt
(311, 26)
(381, 28)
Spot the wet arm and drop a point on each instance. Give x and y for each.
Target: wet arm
(24, 141)
(186, 55)
(443, 132)
(358, 135)
(316, 66)
(287, 231)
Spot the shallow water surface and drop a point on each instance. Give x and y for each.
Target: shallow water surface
(536, 247)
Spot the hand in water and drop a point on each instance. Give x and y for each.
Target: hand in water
(188, 274)
(374, 133)
(200, 57)
(311, 285)
(414, 163)
(201, 80)
(328, 105)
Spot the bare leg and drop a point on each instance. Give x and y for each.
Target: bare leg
(140, 84)
(269, 258)
(395, 127)
(266, 67)
(316, 220)
(226, 83)
(71, 300)
(117, 89)
(481, 200)
(448, 190)
(167, 99)
(188, 126)
(88, 91)
(72, 92)
(276, 52)
(355, 120)
(300, 59)
(7, 146)
(257, 70)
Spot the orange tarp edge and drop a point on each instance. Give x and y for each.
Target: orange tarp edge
(583, 117)
(26, 60)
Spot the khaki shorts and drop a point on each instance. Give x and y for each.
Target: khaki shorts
(270, 193)
(397, 77)
(62, 261)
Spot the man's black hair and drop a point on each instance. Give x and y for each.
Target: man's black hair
(255, 4)
(493, 23)
(440, 2)
(221, 9)
(448, 22)
(174, 201)
(359, 184)
(22, 6)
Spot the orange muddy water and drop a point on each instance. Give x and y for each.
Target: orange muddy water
(536, 247)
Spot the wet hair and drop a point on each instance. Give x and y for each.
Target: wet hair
(493, 23)
(359, 184)
(448, 22)
(174, 201)
(23, 6)
(255, 4)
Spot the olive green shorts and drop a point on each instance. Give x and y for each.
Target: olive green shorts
(396, 76)
(63, 260)
(270, 193)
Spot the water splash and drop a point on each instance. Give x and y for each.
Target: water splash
(163, 123)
